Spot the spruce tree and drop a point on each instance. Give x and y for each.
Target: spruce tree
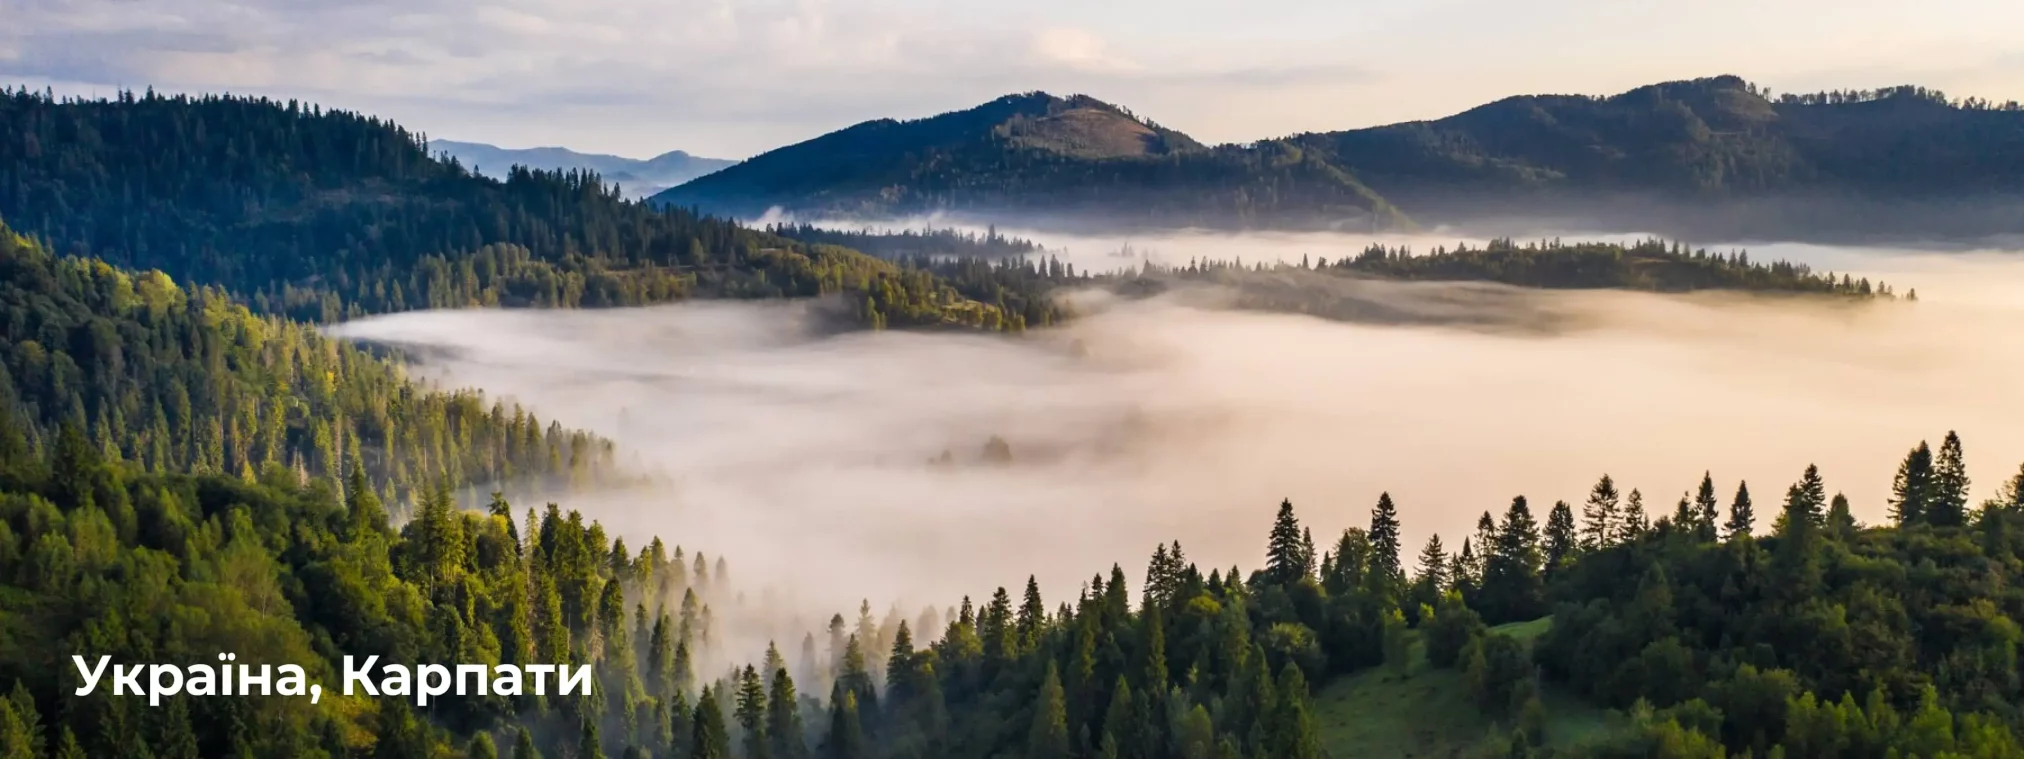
(783, 719)
(1286, 559)
(712, 739)
(846, 728)
(1707, 510)
(1912, 490)
(1347, 563)
(1632, 525)
(1599, 528)
(1032, 616)
(1512, 589)
(523, 744)
(1742, 516)
(1562, 542)
(1048, 738)
(1949, 504)
(1384, 576)
(1432, 580)
(750, 711)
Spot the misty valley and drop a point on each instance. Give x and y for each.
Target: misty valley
(862, 474)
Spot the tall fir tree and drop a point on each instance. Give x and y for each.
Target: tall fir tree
(1599, 515)
(1286, 557)
(1913, 489)
(1563, 543)
(1384, 575)
(1949, 505)
(1707, 510)
(1742, 515)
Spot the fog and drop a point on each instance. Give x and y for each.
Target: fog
(803, 458)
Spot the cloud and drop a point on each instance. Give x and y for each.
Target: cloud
(803, 459)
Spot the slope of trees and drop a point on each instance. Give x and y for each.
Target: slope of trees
(322, 215)
(138, 368)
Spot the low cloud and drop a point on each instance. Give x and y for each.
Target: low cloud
(805, 459)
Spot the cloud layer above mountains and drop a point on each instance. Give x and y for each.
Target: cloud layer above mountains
(718, 77)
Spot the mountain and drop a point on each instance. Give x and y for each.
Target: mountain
(1707, 155)
(1076, 158)
(638, 178)
(321, 215)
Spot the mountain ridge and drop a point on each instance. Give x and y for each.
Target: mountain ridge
(1696, 157)
(639, 177)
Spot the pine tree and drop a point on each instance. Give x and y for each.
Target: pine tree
(1742, 516)
(750, 711)
(1384, 576)
(1707, 510)
(1432, 580)
(1511, 583)
(846, 728)
(1048, 739)
(1032, 615)
(481, 747)
(1912, 491)
(1562, 542)
(1633, 525)
(1286, 559)
(1949, 504)
(783, 719)
(1600, 527)
(712, 740)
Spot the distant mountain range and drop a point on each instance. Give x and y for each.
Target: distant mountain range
(639, 178)
(1706, 157)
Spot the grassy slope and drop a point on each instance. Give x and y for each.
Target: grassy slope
(1427, 713)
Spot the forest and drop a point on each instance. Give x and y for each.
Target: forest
(188, 467)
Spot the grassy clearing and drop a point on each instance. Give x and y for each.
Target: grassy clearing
(1427, 714)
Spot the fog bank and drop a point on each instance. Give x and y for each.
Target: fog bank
(804, 459)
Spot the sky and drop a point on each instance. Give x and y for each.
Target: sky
(733, 78)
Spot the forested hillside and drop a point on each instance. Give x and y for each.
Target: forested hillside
(1074, 160)
(321, 215)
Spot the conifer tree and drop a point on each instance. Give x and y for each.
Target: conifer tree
(1432, 579)
(1742, 516)
(1511, 581)
(1286, 558)
(750, 711)
(1633, 524)
(1600, 527)
(783, 719)
(1384, 576)
(1913, 489)
(1949, 504)
(1562, 542)
(481, 747)
(712, 739)
(1707, 511)
(846, 728)
(1048, 738)
(1032, 615)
